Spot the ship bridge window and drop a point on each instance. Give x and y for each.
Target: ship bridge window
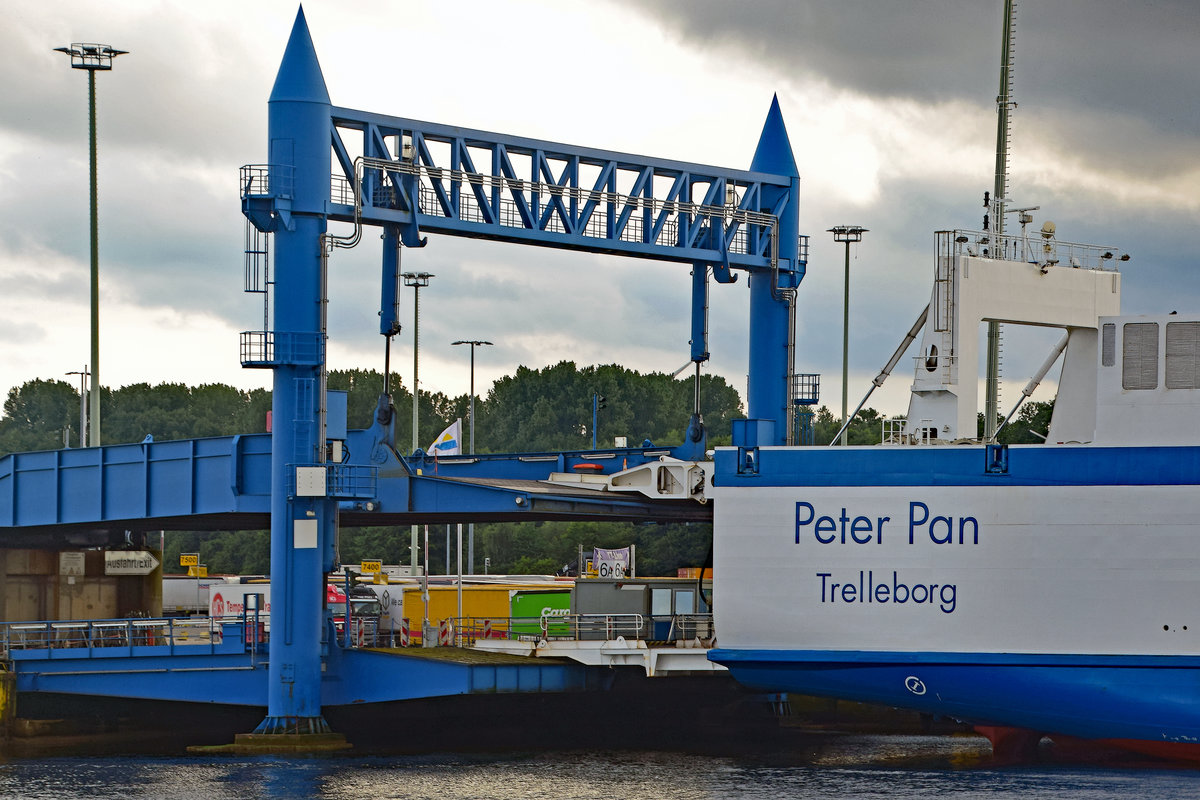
(1183, 355)
(1139, 355)
(1108, 345)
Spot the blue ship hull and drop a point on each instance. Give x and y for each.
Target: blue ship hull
(1152, 699)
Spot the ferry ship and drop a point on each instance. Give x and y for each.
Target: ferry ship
(1027, 589)
(1046, 587)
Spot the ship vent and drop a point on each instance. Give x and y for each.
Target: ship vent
(1108, 345)
(1139, 355)
(1183, 355)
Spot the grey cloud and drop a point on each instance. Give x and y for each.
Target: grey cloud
(1110, 58)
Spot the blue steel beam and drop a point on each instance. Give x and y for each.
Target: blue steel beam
(224, 483)
(446, 179)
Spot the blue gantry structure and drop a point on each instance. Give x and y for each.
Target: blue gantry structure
(412, 178)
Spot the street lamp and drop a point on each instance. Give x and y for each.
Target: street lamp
(417, 280)
(83, 391)
(474, 343)
(846, 234)
(471, 526)
(92, 57)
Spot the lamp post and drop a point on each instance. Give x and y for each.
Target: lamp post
(471, 526)
(83, 397)
(471, 411)
(417, 280)
(846, 234)
(93, 57)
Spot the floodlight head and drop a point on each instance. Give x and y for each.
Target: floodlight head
(847, 233)
(417, 279)
(86, 55)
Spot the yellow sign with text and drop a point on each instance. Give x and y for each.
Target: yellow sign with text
(372, 566)
(189, 559)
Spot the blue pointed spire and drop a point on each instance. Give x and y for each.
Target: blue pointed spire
(774, 151)
(299, 76)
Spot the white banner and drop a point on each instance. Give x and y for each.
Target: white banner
(611, 563)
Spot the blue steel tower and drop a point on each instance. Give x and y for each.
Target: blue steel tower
(302, 516)
(772, 291)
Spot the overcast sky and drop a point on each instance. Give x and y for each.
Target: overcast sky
(890, 107)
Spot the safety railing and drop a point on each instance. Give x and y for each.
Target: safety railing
(1035, 248)
(468, 631)
(266, 180)
(111, 636)
(686, 627)
(903, 431)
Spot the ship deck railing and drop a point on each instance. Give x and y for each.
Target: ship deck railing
(468, 631)
(1031, 247)
(131, 636)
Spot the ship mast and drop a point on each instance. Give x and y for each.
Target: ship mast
(1004, 104)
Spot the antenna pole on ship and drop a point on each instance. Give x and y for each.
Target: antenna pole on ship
(999, 196)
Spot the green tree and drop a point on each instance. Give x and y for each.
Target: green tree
(36, 414)
(1030, 425)
(551, 408)
(866, 427)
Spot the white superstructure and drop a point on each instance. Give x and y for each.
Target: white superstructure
(1013, 280)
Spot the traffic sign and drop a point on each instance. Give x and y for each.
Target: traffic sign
(129, 562)
(189, 559)
(371, 566)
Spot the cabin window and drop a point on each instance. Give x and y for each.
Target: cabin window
(1108, 345)
(1139, 355)
(660, 602)
(1183, 355)
(685, 601)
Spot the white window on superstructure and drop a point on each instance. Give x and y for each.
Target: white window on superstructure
(1183, 355)
(1139, 355)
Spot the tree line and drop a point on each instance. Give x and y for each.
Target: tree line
(533, 410)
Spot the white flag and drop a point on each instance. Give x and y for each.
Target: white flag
(448, 442)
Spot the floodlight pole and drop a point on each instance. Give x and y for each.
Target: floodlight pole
(474, 343)
(417, 280)
(92, 57)
(846, 234)
(83, 398)
(471, 526)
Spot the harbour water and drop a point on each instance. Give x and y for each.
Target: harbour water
(894, 767)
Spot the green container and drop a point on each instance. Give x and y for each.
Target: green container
(529, 607)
